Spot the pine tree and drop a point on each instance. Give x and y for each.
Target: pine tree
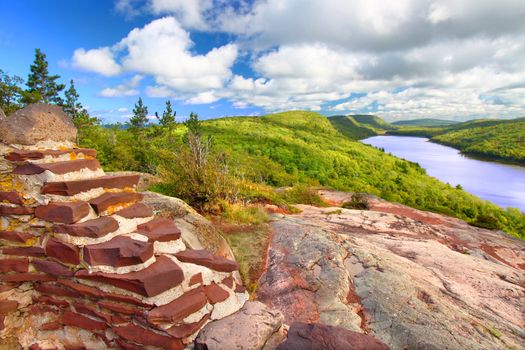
(193, 124)
(140, 115)
(168, 117)
(39, 81)
(72, 106)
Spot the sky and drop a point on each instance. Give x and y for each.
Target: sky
(403, 59)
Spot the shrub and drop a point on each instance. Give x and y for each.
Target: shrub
(358, 201)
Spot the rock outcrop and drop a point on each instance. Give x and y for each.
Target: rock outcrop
(84, 263)
(412, 279)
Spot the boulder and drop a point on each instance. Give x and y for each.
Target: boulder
(37, 122)
(317, 336)
(252, 327)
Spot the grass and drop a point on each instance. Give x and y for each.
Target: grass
(237, 213)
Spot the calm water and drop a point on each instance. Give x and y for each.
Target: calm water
(499, 183)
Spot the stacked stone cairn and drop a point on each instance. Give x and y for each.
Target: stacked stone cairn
(83, 263)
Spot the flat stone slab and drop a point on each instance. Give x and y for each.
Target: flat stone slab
(62, 212)
(93, 228)
(180, 308)
(22, 155)
(205, 258)
(12, 197)
(160, 276)
(137, 210)
(119, 251)
(58, 168)
(71, 188)
(112, 199)
(62, 251)
(159, 230)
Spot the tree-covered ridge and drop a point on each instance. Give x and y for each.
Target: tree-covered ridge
(358, 128)
(504, 141)
(425, 122)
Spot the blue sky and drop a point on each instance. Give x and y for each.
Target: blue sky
(409, 59)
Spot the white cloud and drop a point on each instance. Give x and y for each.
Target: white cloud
(191, 13)
(96, 60)
(202, 98)
(128, 88)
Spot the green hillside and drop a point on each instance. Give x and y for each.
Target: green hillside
(425, 122)
(358, 127)
(301, 147)
(503, 141)
(497, 139)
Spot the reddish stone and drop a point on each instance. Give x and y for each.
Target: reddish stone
(92, 311)
(82, 289)
(77, 320)
(53, 268)
(180, 308)
(14, 236)
(71, 188)
(24, 251)
(239, 289)
(14, 265)
(97, 293)
(154, 223)
(119, 251)
(38, 309)
(8, 287)
(75, 347)
(27, 277)
(205, 258)
(51, 326)
(196, 279)
(44, 299)
(185, 330)
(162, 234)
(215, 294)
(319, 336)
(94, 228)
(120, 319)
(5, 210)
(119, 308)
(160, 276)
(2, 325)
(35, 346)
(53, 289)
(228, 282)
(12, 197)
(138, 210)
(59, 168)
(62, 212)
(128, 346)
(109, 199)
(8, 306)
(139, 335)
(21, 155)
(65, 252)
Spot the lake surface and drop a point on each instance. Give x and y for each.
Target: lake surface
(499, 183)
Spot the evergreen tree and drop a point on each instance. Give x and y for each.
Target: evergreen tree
(72, 106)
(39, 81)
(168, 117)
(140, 115)
(194, 125)
(10, 92)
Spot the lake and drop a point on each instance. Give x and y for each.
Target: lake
(499, 183)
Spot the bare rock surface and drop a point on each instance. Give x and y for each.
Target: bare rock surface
(306, 336)
(254, 327)
(2, 114)
(412, 279)
(37, 122)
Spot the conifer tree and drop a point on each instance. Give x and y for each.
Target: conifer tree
(168, 116)
(140, 115)
(41, 83)
(10, 92)
(72, 106)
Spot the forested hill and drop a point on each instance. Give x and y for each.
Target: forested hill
(425, 122)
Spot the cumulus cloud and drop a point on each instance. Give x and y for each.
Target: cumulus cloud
(96, 60)
(128, 88)
(406, 59)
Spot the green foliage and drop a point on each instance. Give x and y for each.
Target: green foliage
(168, 116)
(238, 213)
(503, 141)
(193, 124)
(302, 194)
(41, 82)
(425, 122)
(10, 92)
(140, 115)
